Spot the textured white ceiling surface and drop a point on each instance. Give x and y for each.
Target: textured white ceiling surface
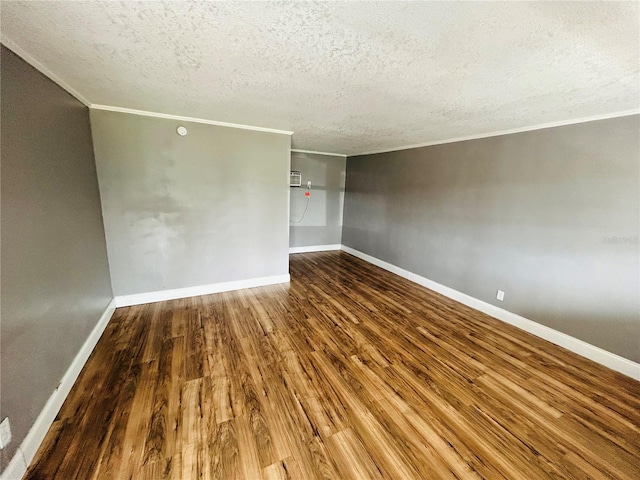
(345, 77)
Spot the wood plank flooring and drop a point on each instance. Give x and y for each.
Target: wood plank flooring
(349, 372)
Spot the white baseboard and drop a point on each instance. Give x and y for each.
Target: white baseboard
(315, 248)
(162, 295)
(29, 446)
(597, 354)
(16, 469)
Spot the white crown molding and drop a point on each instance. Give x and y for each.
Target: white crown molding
(11, 45)
(163, 295)
(315, 248)
(44, 70)
(582, 348)
(295, 150)
(180, 118)
(29, 446)
(541, 126)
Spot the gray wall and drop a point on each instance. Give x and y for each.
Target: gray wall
(55, 277)
(549, 216)
(322, 224)
(187, 211)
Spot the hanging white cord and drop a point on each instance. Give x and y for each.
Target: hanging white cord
(305, 209)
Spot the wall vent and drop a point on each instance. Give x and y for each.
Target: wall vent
(295, 179)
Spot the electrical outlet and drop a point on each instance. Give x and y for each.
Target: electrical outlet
(5, 433)
(500, 295)
(309, 184)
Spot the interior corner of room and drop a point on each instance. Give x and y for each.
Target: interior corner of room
(109, 207)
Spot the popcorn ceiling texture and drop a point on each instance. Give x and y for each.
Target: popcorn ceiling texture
(346, 77)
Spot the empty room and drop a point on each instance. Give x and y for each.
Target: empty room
(319, 240)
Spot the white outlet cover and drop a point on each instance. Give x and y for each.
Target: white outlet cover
(5, 433)
(500, 295)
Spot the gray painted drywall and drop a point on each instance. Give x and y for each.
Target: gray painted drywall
(322, 224)
(549, 216)
(55, 276)
(179, 212)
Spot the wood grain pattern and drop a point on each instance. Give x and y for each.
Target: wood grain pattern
(349, 372)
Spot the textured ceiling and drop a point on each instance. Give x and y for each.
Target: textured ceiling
(345, 77)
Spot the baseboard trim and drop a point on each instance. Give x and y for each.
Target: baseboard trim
(597, 354)
(315, 248)
(29, 446)
(163, 295)
(16, 469)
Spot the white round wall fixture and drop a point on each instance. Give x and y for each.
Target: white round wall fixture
(182, 131)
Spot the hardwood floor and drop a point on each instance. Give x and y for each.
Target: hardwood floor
(349, 372)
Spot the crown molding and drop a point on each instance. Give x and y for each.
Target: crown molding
(541, 126)
(15, 48)
(296, 150)
(11, 45)
(168, 116)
